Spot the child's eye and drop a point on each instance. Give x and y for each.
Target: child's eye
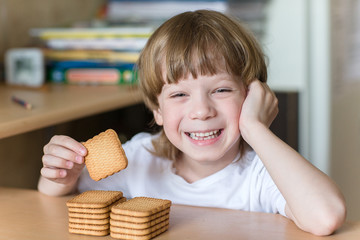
(176, 95)
(223, 90)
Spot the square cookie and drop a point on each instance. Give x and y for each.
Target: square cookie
(105, 155)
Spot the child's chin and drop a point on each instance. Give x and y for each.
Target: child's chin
(203, 157)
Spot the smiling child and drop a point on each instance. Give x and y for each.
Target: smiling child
(203, 76)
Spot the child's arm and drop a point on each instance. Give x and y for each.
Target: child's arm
(63, 161)
(314, 202)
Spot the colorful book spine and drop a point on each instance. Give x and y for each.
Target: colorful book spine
(92, 73)
(91, 33)
(84, 54)
(124, 44)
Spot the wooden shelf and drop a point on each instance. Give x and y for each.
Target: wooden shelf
(54, 104)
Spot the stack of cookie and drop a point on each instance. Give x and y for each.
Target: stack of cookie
(89, 212)
(139, 218)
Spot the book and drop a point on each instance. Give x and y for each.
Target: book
(92, 55)
(121, 10)
(91, 33)
(119, 44)
(86, 54)
(128, 39)
(91, 73)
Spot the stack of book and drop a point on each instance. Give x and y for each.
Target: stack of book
(92, 55)
(252, 12)
(107, 55)
(157, 11)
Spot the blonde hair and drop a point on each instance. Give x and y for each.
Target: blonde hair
(195, 43)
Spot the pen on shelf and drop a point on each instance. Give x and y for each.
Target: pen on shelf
(22, 102)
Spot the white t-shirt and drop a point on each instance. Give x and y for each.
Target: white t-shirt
(244, 184)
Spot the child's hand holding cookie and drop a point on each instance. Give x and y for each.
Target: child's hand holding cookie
(63, 160)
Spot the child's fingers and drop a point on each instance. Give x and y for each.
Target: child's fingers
(271, 103)
(53, 173)
(261, 103)
(62, 152)
(68, 143)
(53, 161)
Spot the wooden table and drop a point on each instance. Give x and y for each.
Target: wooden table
(53, 104)
(28, 214)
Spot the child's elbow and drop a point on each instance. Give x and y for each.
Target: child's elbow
(329, 221)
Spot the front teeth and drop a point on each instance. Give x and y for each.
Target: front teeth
(204, 135)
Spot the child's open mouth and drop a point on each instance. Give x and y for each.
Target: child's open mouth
(202, 136)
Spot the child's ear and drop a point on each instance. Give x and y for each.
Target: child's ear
(158, 117)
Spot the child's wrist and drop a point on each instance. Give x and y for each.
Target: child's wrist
(50, 187)
(251, 132)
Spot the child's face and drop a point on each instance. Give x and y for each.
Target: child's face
(201, 116)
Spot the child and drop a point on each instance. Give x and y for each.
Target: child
(198, 74)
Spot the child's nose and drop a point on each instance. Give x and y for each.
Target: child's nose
(201, 108)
